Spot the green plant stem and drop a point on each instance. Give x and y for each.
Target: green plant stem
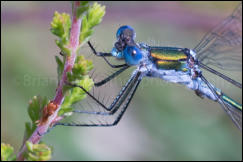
(59, 97)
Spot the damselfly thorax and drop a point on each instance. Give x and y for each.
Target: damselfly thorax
(176, 65)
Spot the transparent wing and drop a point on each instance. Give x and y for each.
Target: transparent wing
(222, 47)
(118, 110)
(236, 116)
(234, 113)
(105, 92)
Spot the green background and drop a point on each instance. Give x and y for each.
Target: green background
(164, 121)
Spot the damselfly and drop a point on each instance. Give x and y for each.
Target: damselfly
(222, 48)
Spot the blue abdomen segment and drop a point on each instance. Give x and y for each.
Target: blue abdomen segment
(169, 58)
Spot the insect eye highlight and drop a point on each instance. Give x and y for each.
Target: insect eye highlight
(134, 52)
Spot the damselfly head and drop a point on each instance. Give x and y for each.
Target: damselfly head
(125, 42)
(125, 36)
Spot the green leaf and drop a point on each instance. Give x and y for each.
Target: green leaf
(83, 3)
(80, 69)
(60, 67)
(95, 14)
(60, 26)
(29, 129)
(75, 95)
(35, 111)
(65, 111)
(81, 10)
(90, 20)
(34, 108)
(37, 152)
(83, 7)
(7, 153)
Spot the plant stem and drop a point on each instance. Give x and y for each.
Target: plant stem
(59, 97)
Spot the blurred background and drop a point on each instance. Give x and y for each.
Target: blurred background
(163, 122)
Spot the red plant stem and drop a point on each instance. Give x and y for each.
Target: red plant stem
(58, 99)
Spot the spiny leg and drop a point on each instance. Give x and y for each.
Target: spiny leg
(104, 55)
(226, 108)
(118, 72)
(110, 108)
(113, 107)
(132, 89)
(98, 53)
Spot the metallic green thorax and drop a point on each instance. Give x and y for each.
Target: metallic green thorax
(169, 58)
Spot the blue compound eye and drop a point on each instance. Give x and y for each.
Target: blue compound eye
(132, 55)
(125, 32)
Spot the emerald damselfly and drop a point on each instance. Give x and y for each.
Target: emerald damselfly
(221, 48)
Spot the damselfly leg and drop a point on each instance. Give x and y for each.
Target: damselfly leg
(122, 67)
(115, 74)
(125, 96)
(104, 55)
